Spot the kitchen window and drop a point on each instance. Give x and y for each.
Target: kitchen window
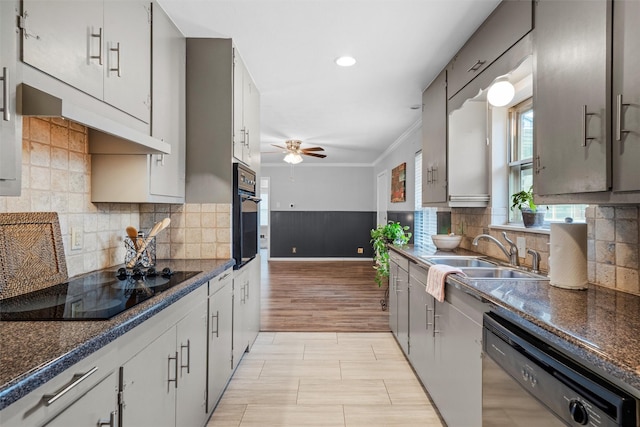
(424, 219)
(521, 165)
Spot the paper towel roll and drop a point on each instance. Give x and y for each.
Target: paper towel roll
(568, 255)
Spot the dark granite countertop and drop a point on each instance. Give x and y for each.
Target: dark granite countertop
(599, 326)
(31, 353)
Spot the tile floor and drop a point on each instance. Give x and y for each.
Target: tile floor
(324, 379)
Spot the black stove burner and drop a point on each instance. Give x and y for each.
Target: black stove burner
(98, 296)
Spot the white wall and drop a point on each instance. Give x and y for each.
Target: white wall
(321, 188)
(403, 151)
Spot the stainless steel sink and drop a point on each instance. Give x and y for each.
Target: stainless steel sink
(459, 261)
(500, 273)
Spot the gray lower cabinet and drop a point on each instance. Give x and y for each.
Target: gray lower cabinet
(626, 96)
(10, 123)
(571, 97)
(399, 299)
(219, 369)
(164, 384)
(421, 352)
(246, 308)
(445, 348)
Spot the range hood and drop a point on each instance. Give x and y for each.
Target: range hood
(106, 136)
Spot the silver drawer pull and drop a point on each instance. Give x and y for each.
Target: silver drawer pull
(117, 51)
(217, 331)
(99, 37)
(175, 378)
(5, 95)
(619, 105)
(75, 380)
(188, 365)
(111, 422)
(585, 138)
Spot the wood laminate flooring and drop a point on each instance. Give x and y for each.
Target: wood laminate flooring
(293, 379)
(321, 296)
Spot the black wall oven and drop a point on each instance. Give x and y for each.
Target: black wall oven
(245, 215)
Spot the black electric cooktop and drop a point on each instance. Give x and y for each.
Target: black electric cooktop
(98, 296)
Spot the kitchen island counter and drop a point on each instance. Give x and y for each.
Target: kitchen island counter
(598, 325)
(33, 352)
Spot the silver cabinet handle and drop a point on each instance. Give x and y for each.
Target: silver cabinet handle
(427, 323)
(585, 138)
(435, 331)
(619, 112)
(99, 37)
(188, 347)
(429, 180)
(434, 174)
(217, 331)
(5, 94)
(75, 380)
(111, 422)
(175, 378)
(475, 67)
(224, 276)
(117, 50)
(538, 167)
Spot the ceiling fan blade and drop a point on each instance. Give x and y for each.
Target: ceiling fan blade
(313, 149)
(322, 156)
(280, 146)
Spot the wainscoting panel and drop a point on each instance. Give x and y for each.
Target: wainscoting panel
(321, 234)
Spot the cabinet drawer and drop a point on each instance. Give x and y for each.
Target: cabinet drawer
(402, 262)
(220, 281)
(417, 275)
(508, 23)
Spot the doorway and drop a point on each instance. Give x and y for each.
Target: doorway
(382, 191)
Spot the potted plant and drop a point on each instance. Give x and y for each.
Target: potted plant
(523, 200)
(390, 233)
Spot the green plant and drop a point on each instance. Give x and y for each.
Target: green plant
(524, 199)
(390, 233)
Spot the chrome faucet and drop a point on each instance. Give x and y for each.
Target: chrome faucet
(512, 253)
(535, 263)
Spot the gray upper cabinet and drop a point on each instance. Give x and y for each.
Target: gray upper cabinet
(434, 142)
(508, 23)
(153, 178)
(219, 116)
(10, 123)
(100, 48)
(626, 96)
(571, 97)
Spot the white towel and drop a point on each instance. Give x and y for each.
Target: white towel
(436, 276)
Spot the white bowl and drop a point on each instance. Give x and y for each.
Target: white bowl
(446, 242)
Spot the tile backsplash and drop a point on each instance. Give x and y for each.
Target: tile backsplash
(56, 177)
(613, 243)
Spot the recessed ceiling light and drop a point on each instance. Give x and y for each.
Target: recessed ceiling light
(346, 61)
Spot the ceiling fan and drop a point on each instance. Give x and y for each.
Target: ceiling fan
(294, 153)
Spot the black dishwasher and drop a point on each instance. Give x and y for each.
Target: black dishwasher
(528, 383)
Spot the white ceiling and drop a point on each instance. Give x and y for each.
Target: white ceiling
(289, 47)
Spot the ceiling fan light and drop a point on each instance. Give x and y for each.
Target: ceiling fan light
(293, 158)
(501, 93)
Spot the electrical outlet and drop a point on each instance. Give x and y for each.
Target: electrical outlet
(360, 250)
(294, 250)
(76, 239)
(521, 243)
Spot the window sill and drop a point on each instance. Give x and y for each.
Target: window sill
(520, 228)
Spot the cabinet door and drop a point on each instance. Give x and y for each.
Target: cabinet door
(626, 96)
(459, 365)
(150, 381)
(253, 301)
(168, 111)
(10, 141)
(252, 120)
(420, 337)
(240, 341)
(434, 141)
(66, 41)
(192, 367)
(402, 290)
(127, 51)
(239, 131)
(393, 297)
(98, 405)
(220, 337)
(571, 97)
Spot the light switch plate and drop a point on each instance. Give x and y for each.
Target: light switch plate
(521, 242)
